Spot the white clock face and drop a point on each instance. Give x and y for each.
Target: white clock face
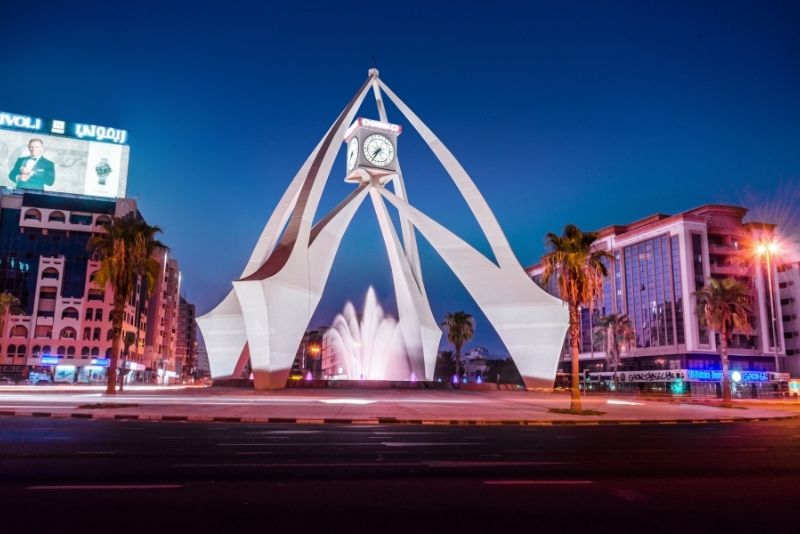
(352, 154)
(378, 150)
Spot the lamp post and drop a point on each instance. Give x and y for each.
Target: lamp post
(767, 249)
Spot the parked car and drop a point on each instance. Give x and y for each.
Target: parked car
(5, 381)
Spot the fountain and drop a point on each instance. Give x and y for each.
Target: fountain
(369, 349)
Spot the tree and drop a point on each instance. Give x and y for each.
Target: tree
(127, 340)
(616, 331)
(724, 306)
(460, 329)
(8, 305)
(579, 273)
(125, 251)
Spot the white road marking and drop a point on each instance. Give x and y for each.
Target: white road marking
(537, 482)
(96, 452)
(419, 443)
(105, 487)
(171, 437)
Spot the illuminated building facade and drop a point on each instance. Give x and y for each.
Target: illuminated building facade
(658, 263)
(62, 329)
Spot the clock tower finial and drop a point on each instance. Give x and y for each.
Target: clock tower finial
(373, 68)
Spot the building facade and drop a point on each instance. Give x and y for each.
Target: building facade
(186, 340)
(62, 330)
(657, 264)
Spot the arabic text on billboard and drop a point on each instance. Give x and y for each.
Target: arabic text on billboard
(80, 159)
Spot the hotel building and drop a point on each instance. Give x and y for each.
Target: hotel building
(62, 330)
(656, 266)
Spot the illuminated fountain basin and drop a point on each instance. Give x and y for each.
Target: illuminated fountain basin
(369, 349)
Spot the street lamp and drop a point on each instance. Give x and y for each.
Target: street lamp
(768, 249)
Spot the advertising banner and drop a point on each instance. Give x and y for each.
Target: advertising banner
(85, 160)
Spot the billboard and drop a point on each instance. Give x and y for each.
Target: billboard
(54, 155)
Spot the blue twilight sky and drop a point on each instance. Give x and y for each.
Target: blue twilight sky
(563, 112)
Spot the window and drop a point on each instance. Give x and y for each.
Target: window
(61, 350)
(36, 350)
(110, 334)
(70, 313)
(78, 218)
(19, 331)
(56, 216)
(67, 333)
(95, 351)
(84, 352)
(98, 314)
(87, 333)
(88, 316)
(33, 215)
(70, 351)
(97, 294)
(11, 350)
(50, 273)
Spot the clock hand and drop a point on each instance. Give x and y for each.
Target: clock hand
(377, 152)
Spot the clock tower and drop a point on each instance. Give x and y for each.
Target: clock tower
(371, 150)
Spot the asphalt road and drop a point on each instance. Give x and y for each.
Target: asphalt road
(90, 476)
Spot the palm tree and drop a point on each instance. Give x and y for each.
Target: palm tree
(127, 340)
(579, 273)
(616, 331)
(8, 305)
(460, 329)
(724, 306)
(125, 251)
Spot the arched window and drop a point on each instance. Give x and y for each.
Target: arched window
(70, 351)
(20, 351)
(110, 334)
(95, 351)
(98, 314)
(93, 276)
(102, 219)
(67, 333)
(85, 351)
(61, 350)
(87, 333)
(19, 331)
(70, 313)
(11, 350)
(88, 315)
(50, 273)
(96, 334)
(108, 353)
(33, 215)
(36, 351)
(56, 216)
(47, 350)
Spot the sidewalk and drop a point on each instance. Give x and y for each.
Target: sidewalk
(361, 406)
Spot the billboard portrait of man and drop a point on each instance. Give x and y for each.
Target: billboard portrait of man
(33, 171)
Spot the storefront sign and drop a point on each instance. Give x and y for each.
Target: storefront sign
(652, 376)
(102, 362)
(49, 360)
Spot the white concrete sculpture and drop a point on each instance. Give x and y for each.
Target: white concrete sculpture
(265, 316)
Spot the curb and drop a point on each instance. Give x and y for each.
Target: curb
(385, 420)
